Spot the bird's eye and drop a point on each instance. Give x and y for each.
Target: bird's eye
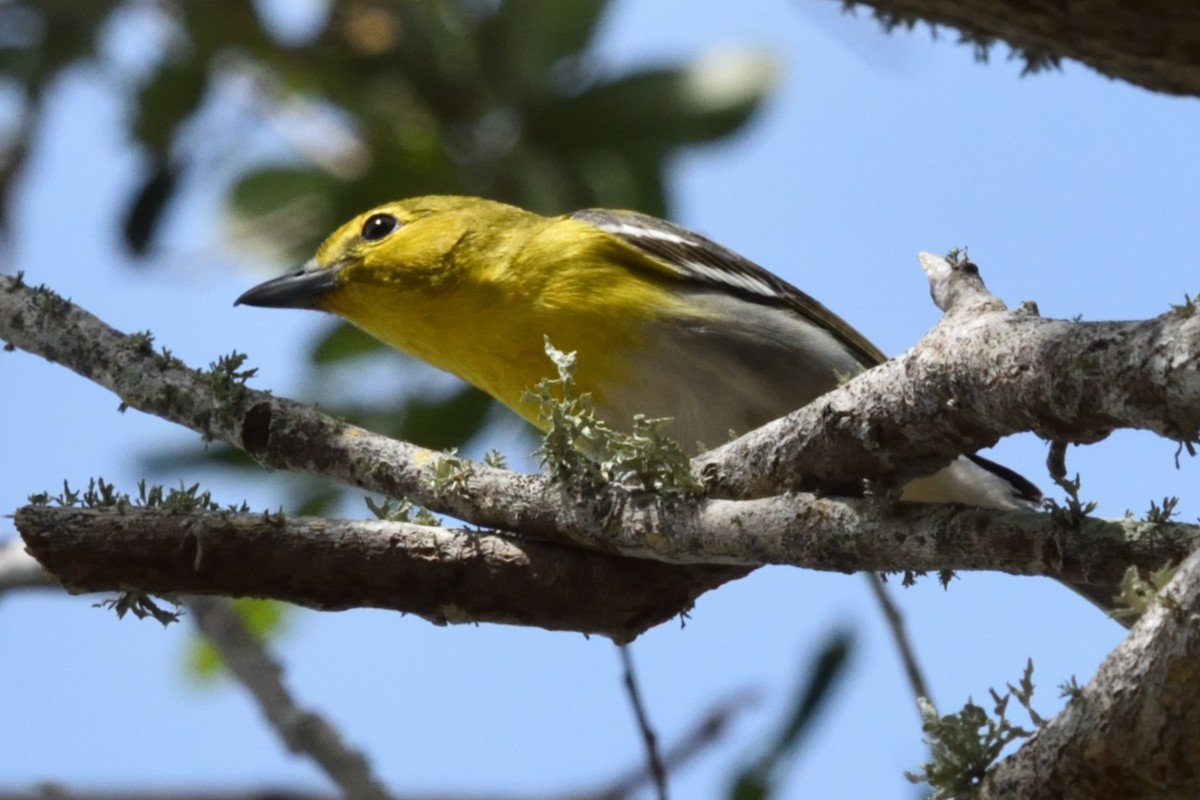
(378, 226)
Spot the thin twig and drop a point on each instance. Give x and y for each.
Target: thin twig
(704, 733)
(303, 731)
(895, 621)
(653, 758)
(1056, 461)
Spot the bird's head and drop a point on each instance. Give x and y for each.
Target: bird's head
(396, 248)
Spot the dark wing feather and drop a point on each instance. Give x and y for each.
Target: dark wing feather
(1022, 488)
(694, 258)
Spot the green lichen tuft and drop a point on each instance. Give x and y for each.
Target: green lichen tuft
(401, 511)
(1185, 309)
(1074, 513)
(964, 745)
(451, 476)
(1161, 515)
(1138, 593)
(141, 605)
(581, 448)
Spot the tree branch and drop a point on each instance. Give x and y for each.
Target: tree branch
(899, 410)
(444, 576)
(702, 734)
(456, 576)
(1150, 43)
(1134, 731)
(967, 383)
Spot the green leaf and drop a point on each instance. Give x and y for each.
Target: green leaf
(343, 342)
(171, 96)
(182, 459)
(534, 37)
(445, 423)
(46, 38)
(435, 50)
(319, 502)
(284, 210)
(749, 786)
(266, 191)
(820, 680)
(148, 206)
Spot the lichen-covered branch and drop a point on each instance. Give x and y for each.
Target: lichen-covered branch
(444, 576)
(976, 377)
(1150, 43)
(1134, 730)
(928, 412)
(456, 576)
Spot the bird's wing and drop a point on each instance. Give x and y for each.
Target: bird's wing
(691, 257)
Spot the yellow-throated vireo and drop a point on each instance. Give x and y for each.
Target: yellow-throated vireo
(664, 322)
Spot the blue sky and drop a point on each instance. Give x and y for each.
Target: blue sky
(1070, 189)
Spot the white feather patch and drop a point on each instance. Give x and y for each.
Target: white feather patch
(738, 280)
(710, 273)
(636, 231)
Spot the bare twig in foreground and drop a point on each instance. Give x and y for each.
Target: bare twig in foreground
(654, 762)
(303, 731)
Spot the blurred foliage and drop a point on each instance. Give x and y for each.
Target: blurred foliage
(761, 779)
(263, 618)
(372, 101)
(300, 123)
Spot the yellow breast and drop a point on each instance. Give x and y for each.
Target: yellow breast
(489, 313)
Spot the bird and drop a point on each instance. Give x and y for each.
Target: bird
(664, 322)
